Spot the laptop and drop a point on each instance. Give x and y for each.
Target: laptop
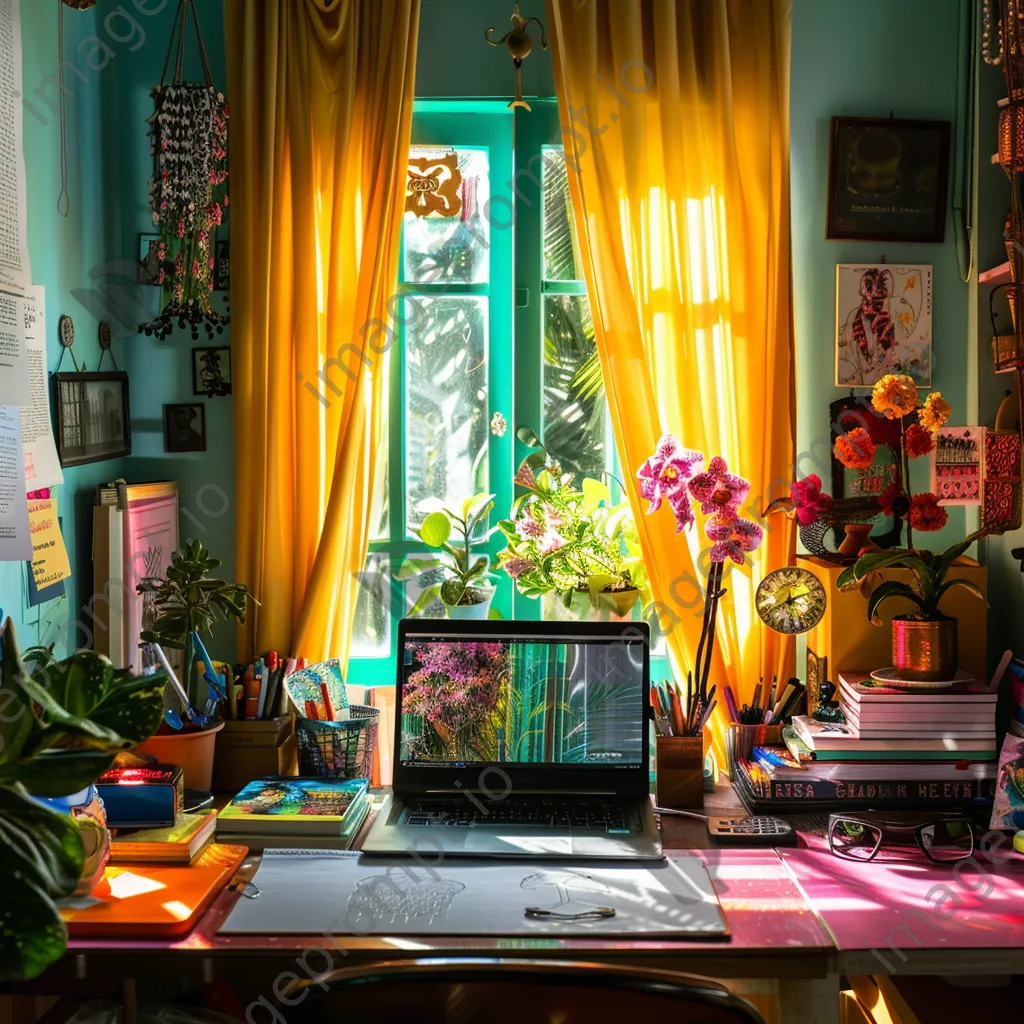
(521, 739)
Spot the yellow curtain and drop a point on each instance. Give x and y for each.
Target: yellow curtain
(321, 108)
(675, 123)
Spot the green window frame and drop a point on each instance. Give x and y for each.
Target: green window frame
(519, 146)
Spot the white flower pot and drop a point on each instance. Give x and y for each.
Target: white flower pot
(480, 610)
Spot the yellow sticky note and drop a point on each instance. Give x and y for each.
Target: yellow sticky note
(49, 555)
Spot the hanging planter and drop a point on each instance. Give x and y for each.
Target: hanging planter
(188, 190)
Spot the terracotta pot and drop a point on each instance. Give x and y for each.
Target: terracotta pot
(857, 539)
(924, 649)
(192, 752)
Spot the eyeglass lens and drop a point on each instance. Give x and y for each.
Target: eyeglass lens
(854, 839)
(947, 840)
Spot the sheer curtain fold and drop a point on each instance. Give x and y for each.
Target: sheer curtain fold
(321, 107)
(675, 122)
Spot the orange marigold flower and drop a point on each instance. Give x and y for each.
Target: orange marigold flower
(894, 395)
(934, 412)
(926, 514)
(855, 449)
(918, 441)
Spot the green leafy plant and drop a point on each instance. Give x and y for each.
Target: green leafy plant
(929, 583)
(565, 539)
(61, 726)
(465, 574)
(188, 600)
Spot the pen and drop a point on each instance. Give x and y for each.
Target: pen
(730, 703)
(756, 702)
(676, 712)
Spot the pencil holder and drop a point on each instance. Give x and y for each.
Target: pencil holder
(679, 767)
(740, 741)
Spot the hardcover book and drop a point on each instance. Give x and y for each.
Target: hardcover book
(173, 844)
(323, 807)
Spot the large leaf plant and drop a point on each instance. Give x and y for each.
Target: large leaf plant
(61, 725)
(465, 575)
(929, 583)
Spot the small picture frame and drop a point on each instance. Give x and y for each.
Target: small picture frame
(185, 427)
(149, 259)
(93, 417)
(222, 266)
(888, 179)
(211, 371)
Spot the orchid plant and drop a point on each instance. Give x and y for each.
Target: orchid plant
(676, 475)
(567, 539)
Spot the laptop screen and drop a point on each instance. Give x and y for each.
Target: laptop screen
(528, 701)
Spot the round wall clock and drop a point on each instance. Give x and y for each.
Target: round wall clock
(790, 600)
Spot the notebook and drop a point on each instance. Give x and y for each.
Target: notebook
(323, 807)
(260, 841)
(177, 843)
(328, 892)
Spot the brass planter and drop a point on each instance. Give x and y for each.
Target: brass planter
(924, 650)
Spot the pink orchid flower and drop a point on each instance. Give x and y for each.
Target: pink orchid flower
(718, 490)
(664, 476)
(809, 501)
(732, 537)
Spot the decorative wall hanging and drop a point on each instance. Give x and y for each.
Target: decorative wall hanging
(93, 417)
(188, 194)
(957, 465)
(211, 371)
(434, 186)
(519, 45)
(887, 179)
(883, 323)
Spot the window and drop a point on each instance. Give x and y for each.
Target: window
(493, 318)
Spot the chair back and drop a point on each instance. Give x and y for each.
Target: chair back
(512, 991)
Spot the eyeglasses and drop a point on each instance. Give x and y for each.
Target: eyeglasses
(941, 840)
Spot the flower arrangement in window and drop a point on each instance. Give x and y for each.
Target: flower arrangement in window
(675, 475)
(568, 540)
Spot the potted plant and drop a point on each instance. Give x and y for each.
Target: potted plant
(571, 546)
(63, 723)
(187, 602)
(924, 643)
(465, 588)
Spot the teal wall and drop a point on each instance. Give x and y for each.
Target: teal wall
(65, 255)
(872, 58)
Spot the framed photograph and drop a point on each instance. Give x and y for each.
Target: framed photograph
(185, 427)
(211, 371)
(222, 267)
(958, 465)
(93, 417)
(149, 259)
(888, 179)
(883, 323)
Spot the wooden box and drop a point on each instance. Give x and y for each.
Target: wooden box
(679, 767)
(846, 637)
(252, 750)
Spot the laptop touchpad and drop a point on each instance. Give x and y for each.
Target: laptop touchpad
(503, 843)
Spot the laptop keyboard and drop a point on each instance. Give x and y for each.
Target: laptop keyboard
(547, 813)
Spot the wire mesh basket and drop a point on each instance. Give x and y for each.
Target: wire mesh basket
(331, 750)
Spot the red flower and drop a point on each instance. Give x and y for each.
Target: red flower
(918, 441)
(926, 514)
(808, 501)
(855, 450)
(888, 498)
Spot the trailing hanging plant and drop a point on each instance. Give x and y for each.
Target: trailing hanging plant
(62, 724)
(187, 193)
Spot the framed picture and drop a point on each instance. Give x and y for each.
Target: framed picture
(149, 259)
(185, 427)
(888, 179)
(222, 267)
(958, 465)
(93, 417)
(816, 672)
(883, 323)
(211, 371)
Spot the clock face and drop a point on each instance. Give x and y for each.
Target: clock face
(790, 600)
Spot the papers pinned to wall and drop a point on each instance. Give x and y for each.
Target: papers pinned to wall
(15, 270)
(50, 563)
(42, 466)
(15, 537)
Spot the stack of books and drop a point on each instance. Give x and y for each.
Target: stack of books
(292, 812)
(179, 843)
(912, 749)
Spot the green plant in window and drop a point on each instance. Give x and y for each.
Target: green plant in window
(569, 540)
(466, 574)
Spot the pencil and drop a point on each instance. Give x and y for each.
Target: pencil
(677, 712)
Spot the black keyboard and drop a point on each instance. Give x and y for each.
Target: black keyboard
(549, 813)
